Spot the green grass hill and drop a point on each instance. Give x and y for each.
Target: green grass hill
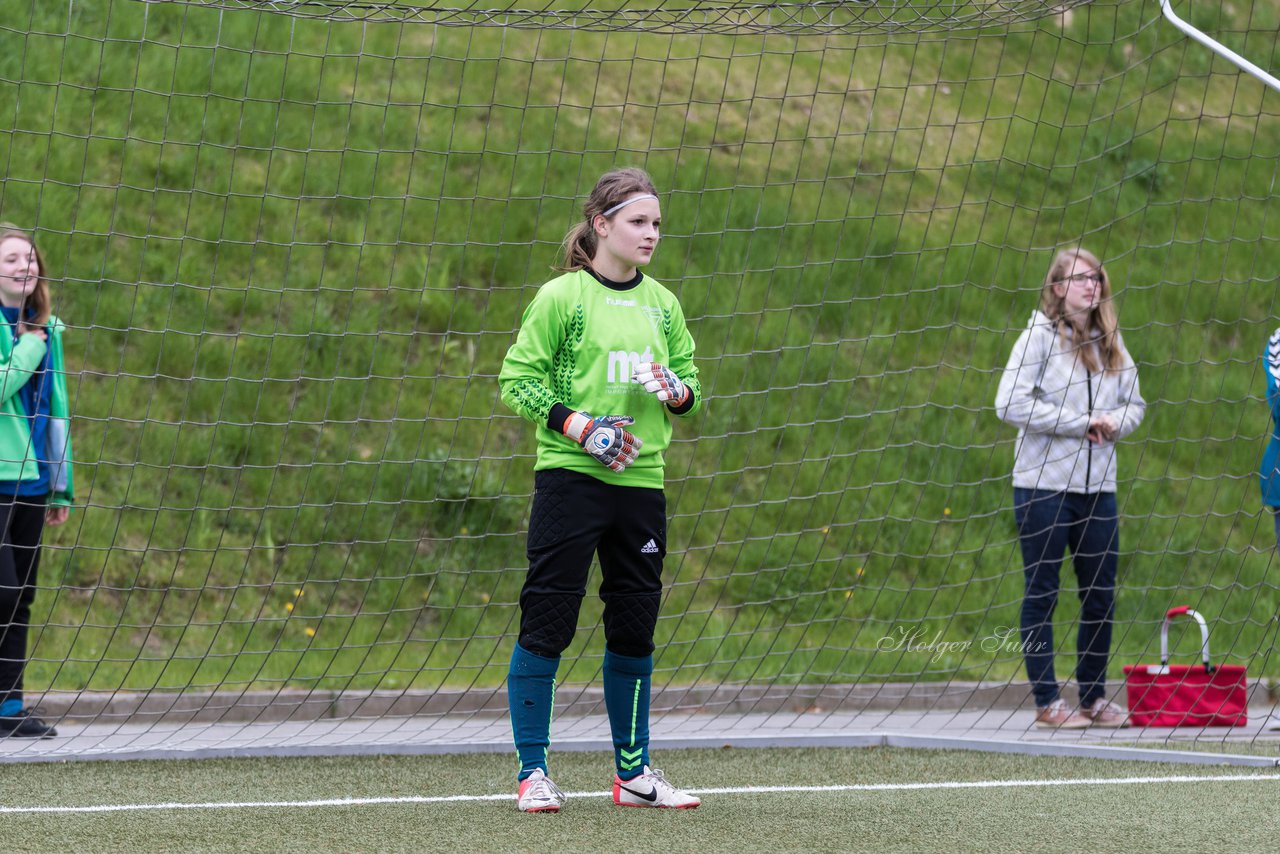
(291, 254)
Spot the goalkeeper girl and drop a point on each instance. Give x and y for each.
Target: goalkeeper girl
(1071, 389)
(35, 454)
(602, 361)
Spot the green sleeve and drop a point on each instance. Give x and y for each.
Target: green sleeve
(527, 368)
(22, 363)
(680, 349)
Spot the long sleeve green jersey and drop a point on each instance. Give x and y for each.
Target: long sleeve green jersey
(578, 345)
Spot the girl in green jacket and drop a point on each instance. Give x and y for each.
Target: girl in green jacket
(35, 454)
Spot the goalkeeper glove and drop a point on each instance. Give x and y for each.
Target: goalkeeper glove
(604, 438)
(658, 380)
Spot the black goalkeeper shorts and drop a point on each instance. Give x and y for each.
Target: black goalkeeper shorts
(576, 516)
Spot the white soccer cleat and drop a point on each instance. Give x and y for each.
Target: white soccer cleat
(651, 789)
(538, 794)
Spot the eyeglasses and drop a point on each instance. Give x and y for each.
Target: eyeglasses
(1096, 278)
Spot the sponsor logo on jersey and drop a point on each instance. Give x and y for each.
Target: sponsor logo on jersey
(622, 363)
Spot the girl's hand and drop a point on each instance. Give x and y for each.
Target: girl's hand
(38, 331)
(56, 514)
(1102, 428)
(604, 438)
(658, 380)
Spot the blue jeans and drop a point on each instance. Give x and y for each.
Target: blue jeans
(1048, 524)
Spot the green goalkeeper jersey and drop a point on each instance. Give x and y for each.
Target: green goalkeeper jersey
(578, 345)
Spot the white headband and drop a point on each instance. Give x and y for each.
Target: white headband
(620, 205)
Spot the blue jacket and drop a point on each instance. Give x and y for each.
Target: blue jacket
(1268, 473)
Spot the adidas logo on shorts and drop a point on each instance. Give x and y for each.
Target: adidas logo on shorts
(649, 548)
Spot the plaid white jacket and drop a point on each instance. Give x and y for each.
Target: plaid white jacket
(1049, 395)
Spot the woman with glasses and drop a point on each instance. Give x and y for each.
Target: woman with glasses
(1071, 389)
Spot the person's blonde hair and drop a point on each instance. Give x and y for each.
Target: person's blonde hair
(1103, 317)
(38, 301)
(613, 188)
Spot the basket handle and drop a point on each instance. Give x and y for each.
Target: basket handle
(1204, 635)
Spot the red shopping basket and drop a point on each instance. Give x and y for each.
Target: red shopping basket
(1186, 694)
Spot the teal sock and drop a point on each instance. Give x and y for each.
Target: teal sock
(626, 697)
(531, 692)
(10, 707)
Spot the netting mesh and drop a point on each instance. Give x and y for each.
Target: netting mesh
(292, 242)
(833, 17)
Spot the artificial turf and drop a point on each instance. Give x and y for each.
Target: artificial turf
(1131, 816)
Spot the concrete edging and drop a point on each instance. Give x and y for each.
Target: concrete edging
(573, 700)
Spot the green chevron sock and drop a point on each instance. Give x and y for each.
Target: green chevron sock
(626, 696)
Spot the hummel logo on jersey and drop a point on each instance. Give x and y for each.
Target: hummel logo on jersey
(649, 548)
(630, 303)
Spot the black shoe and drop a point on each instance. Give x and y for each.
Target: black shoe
(25, 725)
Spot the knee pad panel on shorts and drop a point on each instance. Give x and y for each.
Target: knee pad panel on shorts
(629, 623)
(548, 622)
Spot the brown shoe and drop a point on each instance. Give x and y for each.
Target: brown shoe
(1058, 715)
(1105, 713)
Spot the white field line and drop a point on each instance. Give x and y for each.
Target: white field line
(727, 790)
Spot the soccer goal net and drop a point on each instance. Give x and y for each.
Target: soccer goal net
(291, 243)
